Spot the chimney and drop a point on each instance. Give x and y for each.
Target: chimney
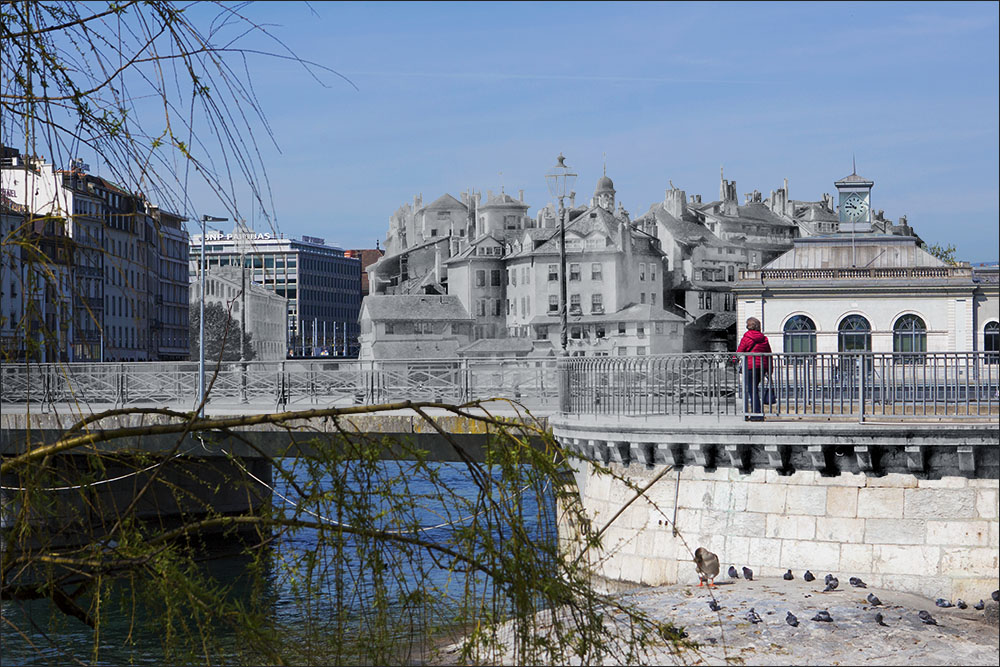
(520, 196)
(572, 200)
(675, 202)
(465, 197)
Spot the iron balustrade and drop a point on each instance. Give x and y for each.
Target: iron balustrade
(862, 386)
(281, 384)
(858, 385)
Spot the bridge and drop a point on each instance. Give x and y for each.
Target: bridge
(885, 465)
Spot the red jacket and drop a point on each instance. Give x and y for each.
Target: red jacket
(755, 341)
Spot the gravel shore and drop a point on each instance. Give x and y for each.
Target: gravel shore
(961, 637)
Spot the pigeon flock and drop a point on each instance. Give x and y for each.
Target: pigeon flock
(708, 568)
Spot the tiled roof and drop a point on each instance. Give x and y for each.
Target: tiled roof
(715, 321)
(636, 312)
(424, 307)
(445, 201)
(503, 200)
(759, 213)
(593, 219)
(854, 179)
(683, 231)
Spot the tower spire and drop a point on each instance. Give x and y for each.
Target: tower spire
(854, 164)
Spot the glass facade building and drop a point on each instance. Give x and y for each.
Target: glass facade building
(321, 283)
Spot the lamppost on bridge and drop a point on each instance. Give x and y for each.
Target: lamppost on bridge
(560, 181)
(205, 219)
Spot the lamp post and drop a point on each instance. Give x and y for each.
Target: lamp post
(243, 236)
(205, 219)
(560, 181)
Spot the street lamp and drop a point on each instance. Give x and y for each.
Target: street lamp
(201, 327)
(560, 181)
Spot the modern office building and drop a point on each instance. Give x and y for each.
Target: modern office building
(322, 285)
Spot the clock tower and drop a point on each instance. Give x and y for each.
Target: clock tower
(855, 203)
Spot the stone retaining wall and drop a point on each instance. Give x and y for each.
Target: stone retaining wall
(937, 538)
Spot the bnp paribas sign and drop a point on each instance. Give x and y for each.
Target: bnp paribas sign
(248, 235)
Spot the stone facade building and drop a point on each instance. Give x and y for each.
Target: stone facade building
(413, 326)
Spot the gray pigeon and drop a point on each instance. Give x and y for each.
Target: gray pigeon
(961, 604)
(857, 583)
(926, 617)
(808, 576)
(944, 604)
(873, 600)
(823, 617)
(791, 620)
(831, 585)
(827, 578)
(708, 566)
(713, 605)
(753, 617)
(747, 573)
(979, 605)
(732, 573)
(995, 595)
(880, 620)
(788, 576)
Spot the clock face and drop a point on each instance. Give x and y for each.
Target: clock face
(855, 207)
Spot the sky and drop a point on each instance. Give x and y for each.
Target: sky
(447, 97)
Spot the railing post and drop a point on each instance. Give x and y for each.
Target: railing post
(861, 387)
(562, 369)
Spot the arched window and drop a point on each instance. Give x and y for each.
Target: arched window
(991, 342)
(909, 334)
(800, 334)
(854, 334)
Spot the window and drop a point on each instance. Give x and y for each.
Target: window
(497, 307)
(640, 330)
(909, 337)
(495, 278)
(576, 333)
(800, 335)
(574, 304)
(553, 272)
(991, 342)
(658, 328)
(623, 351)
(481, 307)
(854, 334)
(642, 297)
(480, 278)
(652, 298)
(553, 303)
(621, 328)
(596, 303)
(597, 271)
(599, 331)
(652, 271)
(708, 301)
(574, 271)
(389, 329)
(730, 271)
(701, 301)
(642, 270)
(541, 332)
(641, 350)
(525, 276)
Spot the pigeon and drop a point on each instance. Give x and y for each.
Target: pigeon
(823, 617)
(808, 576)
(707, 564)
(831, 585)
(713, 605)
(995, 595)
(747, 573)
(873, 600)
(880, 619)
(791, 620)
(979, 605)
(961, 604)
(944, 604)
(828, 578)
(926, 617)
(753, 617)
(788, 576)
(732, 573)
(857, 583)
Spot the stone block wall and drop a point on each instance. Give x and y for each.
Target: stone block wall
(937, 538)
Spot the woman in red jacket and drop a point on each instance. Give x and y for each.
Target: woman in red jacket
(755, 368)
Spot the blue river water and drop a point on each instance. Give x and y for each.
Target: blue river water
(429, 504)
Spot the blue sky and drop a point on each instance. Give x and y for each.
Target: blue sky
(451, 95)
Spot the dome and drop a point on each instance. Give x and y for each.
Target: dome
(604, 184)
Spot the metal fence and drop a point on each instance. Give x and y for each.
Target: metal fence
(853, 385)
(280, 385)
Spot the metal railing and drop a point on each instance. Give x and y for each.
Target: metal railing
(280, 384)
(825, 385)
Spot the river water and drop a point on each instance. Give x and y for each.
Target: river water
(430, 502)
